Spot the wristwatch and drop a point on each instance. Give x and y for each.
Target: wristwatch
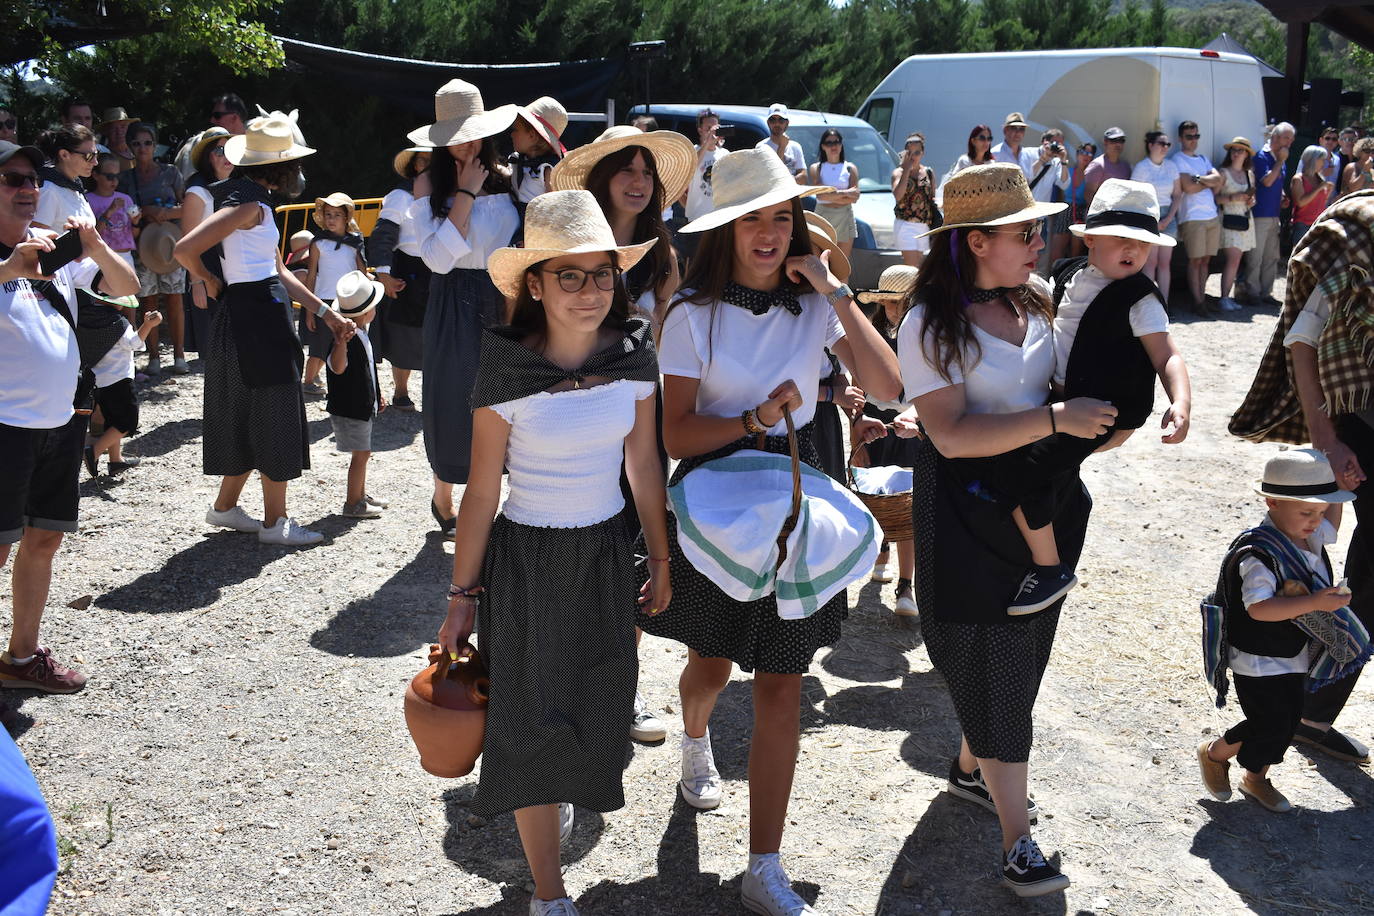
(840, 292)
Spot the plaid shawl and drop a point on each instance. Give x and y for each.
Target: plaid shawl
(1333, 255)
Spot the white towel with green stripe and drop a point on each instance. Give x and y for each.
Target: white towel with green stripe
(729, 512)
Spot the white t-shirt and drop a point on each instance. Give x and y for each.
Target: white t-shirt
(1029, 159)
(39, 361)
(1201, 205)
(1006, 379)
(118, 362)
(56, 203)
(699, 191)
(741, 357)
(1258, 584)
(1057, 176)
(1161, 177)
(795, 159)
(395, 208)
(1147, 316)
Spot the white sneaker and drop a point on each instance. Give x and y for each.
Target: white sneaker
(565, 822)
(563, 906)
(374, 501)
(700, 783)
(880, 573)
(766, 890)
(361, 509)
(906, 605)
(289, 533)
(645, 726)
(234, 518)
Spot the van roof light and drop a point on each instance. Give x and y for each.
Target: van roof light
(1209, 54)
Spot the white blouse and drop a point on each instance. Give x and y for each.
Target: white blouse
(741, 357)
(56, 204)
(565, 453)
(251, 254)
(443, 248)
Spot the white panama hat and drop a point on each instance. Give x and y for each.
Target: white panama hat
(1125, 209)
(745, 181)
(271, 138)
(356, 294)
(1301, 474)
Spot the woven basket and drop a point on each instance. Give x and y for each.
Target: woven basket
(893, 511)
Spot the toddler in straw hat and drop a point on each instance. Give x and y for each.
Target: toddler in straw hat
(536, 135)
(1111, 340)
(1273, 594)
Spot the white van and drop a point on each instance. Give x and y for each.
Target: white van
(943, 96)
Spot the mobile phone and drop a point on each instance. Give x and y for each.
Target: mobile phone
(66, 248)
(725, 130)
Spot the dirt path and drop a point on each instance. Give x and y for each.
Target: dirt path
(240, 748)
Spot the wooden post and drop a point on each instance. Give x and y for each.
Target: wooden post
(1296, 69)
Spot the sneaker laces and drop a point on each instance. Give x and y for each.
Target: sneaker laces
(777, 886)
(1028, 584)
(700, 765)
(42, 665)
(1026, 854)
(563, 906)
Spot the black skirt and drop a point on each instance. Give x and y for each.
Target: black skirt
(398, 336)
(556, 627)
(749, 633)
(829, 435)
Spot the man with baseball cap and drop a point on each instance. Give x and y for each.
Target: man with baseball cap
(788, 150)
(1111, 164)
(1011, 148)
(41, 435)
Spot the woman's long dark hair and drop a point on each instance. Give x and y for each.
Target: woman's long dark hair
(943, 287)
(972, 155)
(66, 137)
(527, 313)
(443, 176)
(649, 224)
(821, 157)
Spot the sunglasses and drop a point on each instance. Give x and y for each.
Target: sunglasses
(217, 150)
(89, 157)
(832, 143)
(1191, 136)
(571, 279)
(20, 179)
(9, 124)
(1164, 143)
(108, 176)
(140, 142)
(1017, 130)
(1025, 234)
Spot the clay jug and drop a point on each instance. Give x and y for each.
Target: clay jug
(446, 711)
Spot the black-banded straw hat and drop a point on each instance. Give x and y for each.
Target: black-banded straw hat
(1126, 209)
(1301, 474)
(356, 294)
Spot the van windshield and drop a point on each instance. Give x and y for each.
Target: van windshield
(863, 146)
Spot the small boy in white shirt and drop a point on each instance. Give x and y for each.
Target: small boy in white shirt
(114, 391)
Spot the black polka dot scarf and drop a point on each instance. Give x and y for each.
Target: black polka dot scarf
(760, 301)
(987, 295)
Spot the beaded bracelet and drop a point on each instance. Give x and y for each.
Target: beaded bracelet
(752, 425)
(457, 591)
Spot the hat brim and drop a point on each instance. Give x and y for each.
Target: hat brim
(373, 300)
(203, 141)
(1016, 124)
(1337, 496)
(123, 302)
(839, 262)
(401, 160)
(465, 130)
(237, 152)
(105, 124)
(722, 215)
(674, 159)
(507, 266)
(871, 296)
(1038, 210)
(32, 153)
(552, 139)
(1126, 232)
(149, 243)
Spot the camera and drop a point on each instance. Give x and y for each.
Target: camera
(1056, 147)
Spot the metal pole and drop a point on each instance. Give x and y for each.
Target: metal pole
(1296, 68)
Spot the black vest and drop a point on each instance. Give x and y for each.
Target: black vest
(1108, 361)
(1274, 638)
(355, 393)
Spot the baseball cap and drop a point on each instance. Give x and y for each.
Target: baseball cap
(778, 109)
(1113, 133)
(9, 150)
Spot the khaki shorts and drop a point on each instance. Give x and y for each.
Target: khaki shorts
(1201, 238)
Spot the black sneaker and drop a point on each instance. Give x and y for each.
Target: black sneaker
(1042, 586)
(403, 402)
(1332, 742)
(970, 787)
(1026, 872)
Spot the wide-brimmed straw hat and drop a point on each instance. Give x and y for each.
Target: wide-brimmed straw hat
(1241, 143)
(401, 161)
(336, 199)
(460, 116)
(748, 180)
(824, 236)
(674, 159)
(207, 137)
(1125, 209)
(550, 119)
(357, 294)
(556, 224)
(896, 281)
(995, 194)
(155, 244)
(1301, 474)
(270, 138)
(115, 116)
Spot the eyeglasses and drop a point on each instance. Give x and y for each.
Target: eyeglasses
(19, 179)
(572, 279)
(140, 142)
(984, 137)
(9, 124)
(1190, 136)
(1025, 234)
(216, 115)
(1164, 143)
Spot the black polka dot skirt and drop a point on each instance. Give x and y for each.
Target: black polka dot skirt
(249, 429)
(749, 633)
(556, 627)
(993, 669)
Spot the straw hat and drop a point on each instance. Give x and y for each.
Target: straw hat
(300, 245)
(207, 136)
(559, 223)
(1301, 474)
(748, 180)
(548, 116)
(674, 158)
(1241, 143)
(995, 194)
(1126, 209)
(460, 116)
(271, 138)
(155, 244)
(401, 161)
(897, 280)
(115, 116)
(1015, 119)
(337, 199)
(824, 237)
(356, 294)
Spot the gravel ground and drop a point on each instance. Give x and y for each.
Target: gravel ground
(241, 749)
